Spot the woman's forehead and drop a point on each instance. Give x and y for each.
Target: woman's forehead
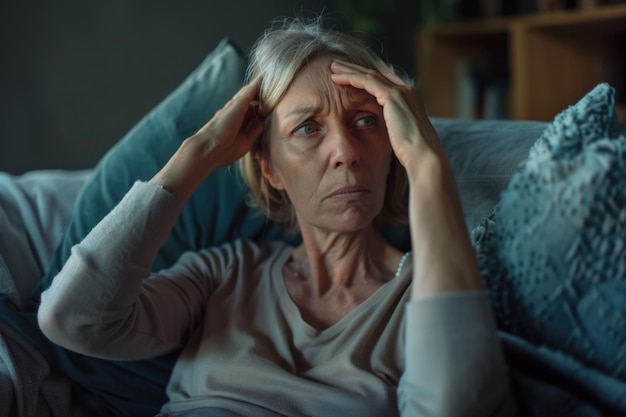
(314, 88)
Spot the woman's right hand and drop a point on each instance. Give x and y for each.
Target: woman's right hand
(227, 137)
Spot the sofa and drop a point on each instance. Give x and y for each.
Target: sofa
(544, 203)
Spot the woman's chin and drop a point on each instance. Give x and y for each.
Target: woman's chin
(352, 222)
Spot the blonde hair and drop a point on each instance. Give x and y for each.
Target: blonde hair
(275, 60)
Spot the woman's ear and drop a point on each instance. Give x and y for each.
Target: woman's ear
(267, 170)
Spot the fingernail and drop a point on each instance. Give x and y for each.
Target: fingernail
(338, 66)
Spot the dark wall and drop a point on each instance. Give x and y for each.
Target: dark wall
(77, 75)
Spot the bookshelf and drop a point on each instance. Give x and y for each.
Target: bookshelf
(522, 67)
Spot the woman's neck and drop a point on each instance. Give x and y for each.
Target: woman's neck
(333, 260)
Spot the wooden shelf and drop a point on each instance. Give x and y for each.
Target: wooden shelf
(543, 62)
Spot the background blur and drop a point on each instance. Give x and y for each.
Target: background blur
(77, 75)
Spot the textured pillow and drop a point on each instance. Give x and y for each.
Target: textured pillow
(553, 252)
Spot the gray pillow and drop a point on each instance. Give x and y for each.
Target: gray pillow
(553, 252)
(485, 155)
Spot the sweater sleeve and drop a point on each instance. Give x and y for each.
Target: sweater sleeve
(104, 301)
(454, 361)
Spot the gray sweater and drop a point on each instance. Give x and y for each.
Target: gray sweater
(247, 348)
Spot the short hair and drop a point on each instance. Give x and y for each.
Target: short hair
(275, 60)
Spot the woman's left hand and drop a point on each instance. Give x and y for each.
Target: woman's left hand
(410, 132)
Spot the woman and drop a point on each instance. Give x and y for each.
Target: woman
(343, 324)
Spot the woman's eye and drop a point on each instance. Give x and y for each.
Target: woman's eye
(366, 121)
(306, 129)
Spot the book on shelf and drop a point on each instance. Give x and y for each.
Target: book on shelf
(482, 91)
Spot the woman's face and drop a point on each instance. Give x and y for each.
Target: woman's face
(329, 151)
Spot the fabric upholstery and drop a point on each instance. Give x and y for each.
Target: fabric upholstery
(485, 156)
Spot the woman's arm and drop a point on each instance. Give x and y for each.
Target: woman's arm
(104, 302)
(98, 304)
(454, 359)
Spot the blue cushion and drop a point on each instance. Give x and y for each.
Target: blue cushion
(553, 252)
(217, 212)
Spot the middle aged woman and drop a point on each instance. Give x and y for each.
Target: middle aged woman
(343, 324)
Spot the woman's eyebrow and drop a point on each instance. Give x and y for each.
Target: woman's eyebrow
(314, 108)
(303, 110)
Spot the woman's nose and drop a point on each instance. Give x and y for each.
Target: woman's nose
(345, 149)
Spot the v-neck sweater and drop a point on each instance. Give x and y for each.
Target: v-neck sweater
(246, 347)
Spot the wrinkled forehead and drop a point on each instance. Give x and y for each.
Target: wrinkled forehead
(314, 88)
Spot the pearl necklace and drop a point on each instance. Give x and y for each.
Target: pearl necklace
(299, 273)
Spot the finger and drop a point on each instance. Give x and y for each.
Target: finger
(252, 119)
(372, 82)
(242, 99)
(338, 66)
(249, 90)
(393, 77)
(235, 110)
(245, 96)
(388, 72)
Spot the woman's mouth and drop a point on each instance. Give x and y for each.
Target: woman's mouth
(349, 192)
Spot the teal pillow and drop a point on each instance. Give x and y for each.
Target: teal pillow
(553, 251)
(216, 213)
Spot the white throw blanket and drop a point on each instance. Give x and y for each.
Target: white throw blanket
(34, 210)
